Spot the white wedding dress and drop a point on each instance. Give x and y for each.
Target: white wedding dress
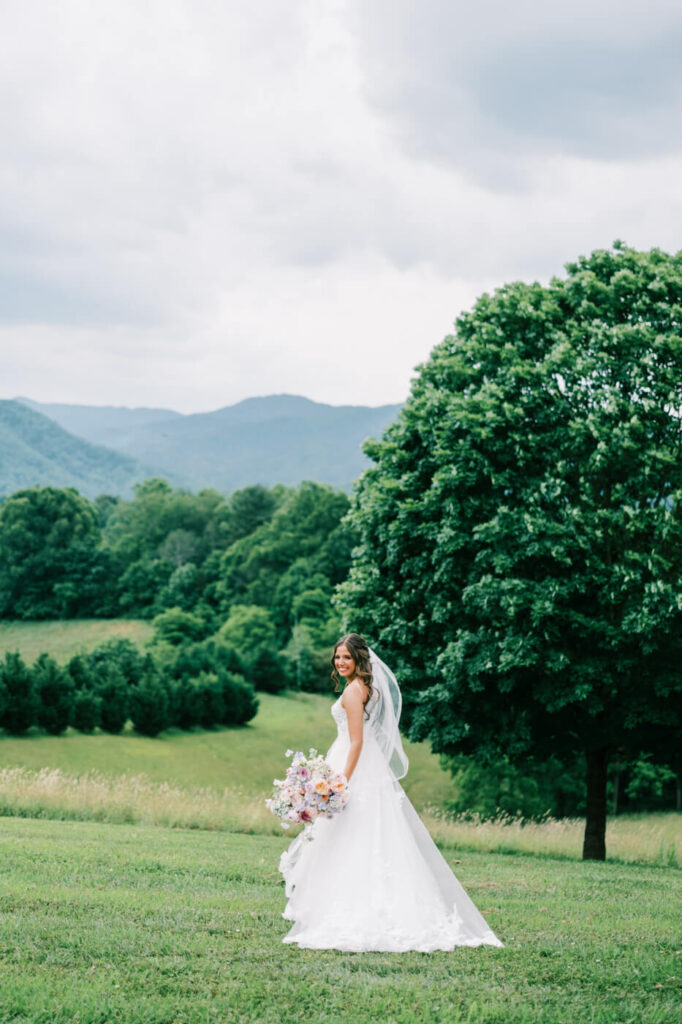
(372, 878)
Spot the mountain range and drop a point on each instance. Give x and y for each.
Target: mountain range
(106, 449)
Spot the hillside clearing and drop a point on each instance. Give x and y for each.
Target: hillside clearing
(65, 638)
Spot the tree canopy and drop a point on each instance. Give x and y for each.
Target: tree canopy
(521, 528)
(189, 560)
(48, 553)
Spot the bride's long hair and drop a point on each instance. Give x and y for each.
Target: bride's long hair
(357, 645)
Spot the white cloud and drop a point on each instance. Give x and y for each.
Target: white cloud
(201, 201)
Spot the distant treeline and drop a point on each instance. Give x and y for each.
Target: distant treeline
(257, 569)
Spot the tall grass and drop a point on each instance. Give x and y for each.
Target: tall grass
(130, 799)
(635, 839)
(654, 839)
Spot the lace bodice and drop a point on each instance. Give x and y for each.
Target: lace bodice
(339, 716)
(341, 719)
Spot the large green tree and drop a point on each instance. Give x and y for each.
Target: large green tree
(48, 554)
(521, 529)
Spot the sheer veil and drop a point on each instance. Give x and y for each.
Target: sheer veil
(385, 716)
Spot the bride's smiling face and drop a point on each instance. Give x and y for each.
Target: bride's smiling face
(343, 662)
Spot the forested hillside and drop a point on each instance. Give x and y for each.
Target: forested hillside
(239, 590)
(110, 425)
(34, 450)
(278, 439)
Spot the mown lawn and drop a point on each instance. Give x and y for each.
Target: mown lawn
(115, 923)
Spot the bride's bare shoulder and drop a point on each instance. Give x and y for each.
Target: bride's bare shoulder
(357, 690)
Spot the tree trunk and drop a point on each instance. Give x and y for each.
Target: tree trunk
(594, 845)
(616, 789)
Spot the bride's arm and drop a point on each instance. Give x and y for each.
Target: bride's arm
(354, 708)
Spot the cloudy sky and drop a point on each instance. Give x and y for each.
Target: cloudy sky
(204, 200)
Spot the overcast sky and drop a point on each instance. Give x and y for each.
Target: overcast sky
(204, 201)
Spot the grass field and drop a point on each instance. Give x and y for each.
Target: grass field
(218, 779)
(101, 924)
(173, 916)
(63, 639)
(245, 759)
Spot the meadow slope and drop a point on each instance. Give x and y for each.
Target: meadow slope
(63, 638)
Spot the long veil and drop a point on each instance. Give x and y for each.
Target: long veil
(385, 716)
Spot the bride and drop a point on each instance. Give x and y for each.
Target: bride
(372, 878)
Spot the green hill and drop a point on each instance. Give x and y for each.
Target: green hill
(275, 439)
(113, 426)
(247, 758)
(36, 451)
(244, 759)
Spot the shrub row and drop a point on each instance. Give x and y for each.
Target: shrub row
(115, 683)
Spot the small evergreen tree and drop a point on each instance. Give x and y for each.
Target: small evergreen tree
(150, 709)
(113, 693)
(82, 673)
(21, 704)
(122, 653)
(3, 697)
(267, 672)
(224, 657)
(87, 710)
(55, 692)
(209, 688)
(205, 656)
(185, 706)
(240, 702)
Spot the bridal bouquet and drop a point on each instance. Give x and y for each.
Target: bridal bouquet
(310, 789)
